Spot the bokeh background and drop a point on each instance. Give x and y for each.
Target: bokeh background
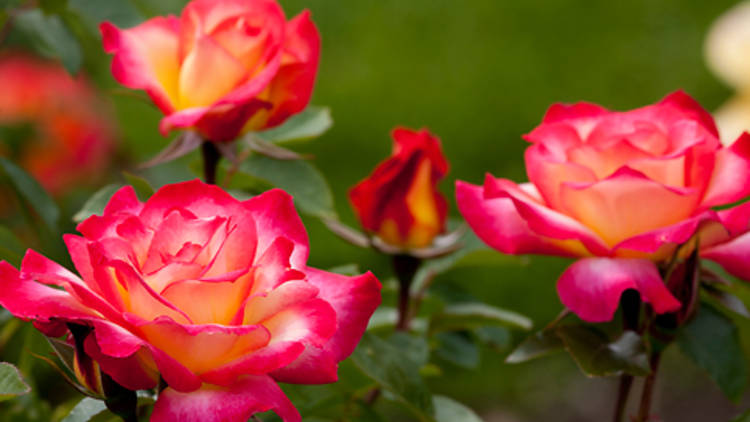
(479, 74)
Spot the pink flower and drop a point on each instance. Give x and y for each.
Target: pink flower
(71, 138)
(622, 190)
(209, 293)
(400, 201)
(223, 68)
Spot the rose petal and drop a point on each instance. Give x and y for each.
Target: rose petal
(497, 222)
(592, 287)
(146, 57)
(250, 395)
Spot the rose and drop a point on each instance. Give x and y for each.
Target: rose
(209, 293)
(399, 201)
(627, 187)
(223, 68)
(727, 55)
(70, 138)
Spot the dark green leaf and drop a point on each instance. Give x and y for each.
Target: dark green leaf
(85, 410)
(50, 37)
(299, 178)
(449, 410)
(541, 343)
(458, 349)
(386, 365)
(597, 356)
(185, 143)
(712, 341)
(95, 205)
(311, 123)
(121, 13)
(142, 187)
(471, 315)
(11, 382)
(498, 338)
(33, 193)
(11, 249)
(727, 300)
(414, 347)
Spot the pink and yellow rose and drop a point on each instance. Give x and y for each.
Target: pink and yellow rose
(622, 190)
(399, 201)
(70, 138)
(210, 294)
(224, 67)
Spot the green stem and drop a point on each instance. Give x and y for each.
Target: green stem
(644, 410)
(630, 303)
(405, 267)
(211, 157)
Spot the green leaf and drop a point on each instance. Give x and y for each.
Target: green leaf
(449, 410)
(11, 249)
(299, 178)
(85, 410)
(470, 243)
(53, 6)
(458, 349)
(471, 315)
(142, 187)
(541, 343)
(32, 192)
(498, 338)
(121, 13)
(386, 365)
(50, 37)
(346, 269)
(414, 347)
(712, 341)
(11, 382)
(597, 356)
(95, 205)
(311, 123)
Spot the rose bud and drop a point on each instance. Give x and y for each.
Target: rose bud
(622, 190)
(399, 202)
(54, 124)
(211, 294)
(224, 67)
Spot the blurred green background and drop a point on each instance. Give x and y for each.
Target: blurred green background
(479, 74)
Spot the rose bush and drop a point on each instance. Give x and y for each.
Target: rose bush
(622, 190)
(399, 201)
(223, 68)
(208, 293)
(69, 138)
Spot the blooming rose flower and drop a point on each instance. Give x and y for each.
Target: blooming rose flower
(69, 139)
(399, 201)
(625, 187)
(223, 68)
(209, 293)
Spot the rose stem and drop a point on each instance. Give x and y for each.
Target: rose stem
(405, 267)
(648, 389)
(631, 310)
(211, 158)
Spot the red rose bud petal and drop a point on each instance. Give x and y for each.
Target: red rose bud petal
(399, 201)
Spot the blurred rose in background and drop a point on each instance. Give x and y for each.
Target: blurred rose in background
(52, 124)
(728, 56)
